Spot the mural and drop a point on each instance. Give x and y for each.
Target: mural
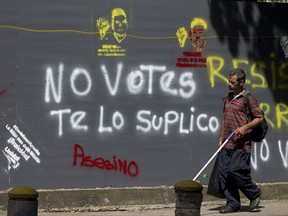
(197, 30)
(119, 26)
(130, 93)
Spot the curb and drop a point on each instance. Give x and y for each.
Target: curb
(105, 198)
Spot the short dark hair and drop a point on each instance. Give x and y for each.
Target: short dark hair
(240, 72)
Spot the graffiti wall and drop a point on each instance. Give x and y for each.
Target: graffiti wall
(100, 93)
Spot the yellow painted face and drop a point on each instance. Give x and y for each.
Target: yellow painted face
(197, 32)
(119, 21)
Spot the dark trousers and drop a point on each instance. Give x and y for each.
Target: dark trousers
(234, 168)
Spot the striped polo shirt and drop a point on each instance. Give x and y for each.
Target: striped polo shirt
(235, 115)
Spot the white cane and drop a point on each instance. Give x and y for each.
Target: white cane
(223, 144)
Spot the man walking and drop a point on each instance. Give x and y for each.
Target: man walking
(234, 158)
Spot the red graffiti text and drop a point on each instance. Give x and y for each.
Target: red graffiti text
(127, 168)
(192, 59)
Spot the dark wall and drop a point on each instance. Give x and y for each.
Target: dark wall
(82, 109)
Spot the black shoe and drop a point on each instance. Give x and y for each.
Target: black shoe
(228, 209)
(254, 205)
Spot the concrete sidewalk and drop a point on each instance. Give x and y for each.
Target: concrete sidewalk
(267, 208)
(150, 201)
